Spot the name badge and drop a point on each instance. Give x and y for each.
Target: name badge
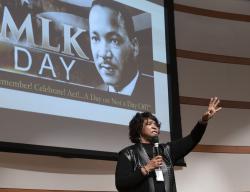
(159, 175)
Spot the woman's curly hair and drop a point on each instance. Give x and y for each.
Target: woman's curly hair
(136, 125)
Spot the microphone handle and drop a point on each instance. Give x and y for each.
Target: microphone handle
(156, 150)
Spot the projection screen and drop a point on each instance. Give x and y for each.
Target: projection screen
(51, 84)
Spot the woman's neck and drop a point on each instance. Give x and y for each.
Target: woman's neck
(144, 140)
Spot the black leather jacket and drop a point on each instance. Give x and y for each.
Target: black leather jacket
(138, 157)
(129, 177)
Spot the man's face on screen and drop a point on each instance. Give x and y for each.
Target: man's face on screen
(113, 51)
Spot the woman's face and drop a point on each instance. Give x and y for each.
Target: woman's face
(149, 130)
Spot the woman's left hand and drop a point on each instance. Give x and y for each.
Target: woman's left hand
(213, 108)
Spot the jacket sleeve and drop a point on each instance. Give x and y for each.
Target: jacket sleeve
(125, 176)
(182, 147)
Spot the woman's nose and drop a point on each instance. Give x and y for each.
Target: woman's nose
(154, 127)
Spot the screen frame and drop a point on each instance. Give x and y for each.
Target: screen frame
(174, 106)
(173, 85)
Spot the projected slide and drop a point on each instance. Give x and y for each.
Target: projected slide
(46, 48)
(64, 61)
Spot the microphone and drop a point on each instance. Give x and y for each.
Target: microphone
(156, 152)
(155, 141)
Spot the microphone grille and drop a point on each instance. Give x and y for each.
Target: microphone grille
(155, 139)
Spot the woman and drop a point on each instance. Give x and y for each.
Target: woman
(137, 166)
